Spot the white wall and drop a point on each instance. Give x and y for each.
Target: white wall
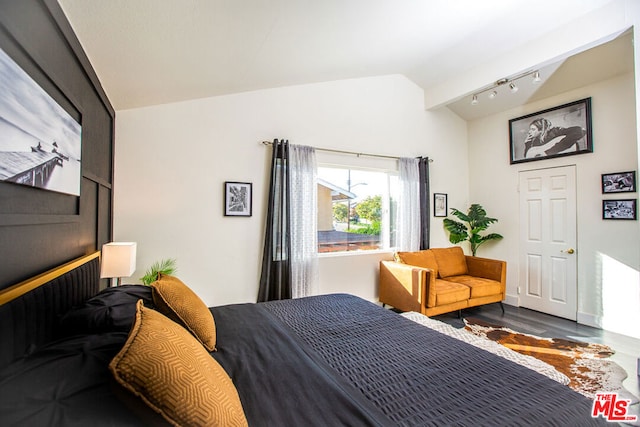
(449, 173)
(171, 162)
(608, 251)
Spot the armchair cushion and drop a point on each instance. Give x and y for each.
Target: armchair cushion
(424, 259)
(480, 287)
(450, 292)
(451, 261)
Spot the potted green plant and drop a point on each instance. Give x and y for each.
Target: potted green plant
(165, 266)
(475, 221)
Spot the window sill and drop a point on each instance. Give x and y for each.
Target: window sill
(356, 253)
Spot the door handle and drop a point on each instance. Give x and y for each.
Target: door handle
(569, 251)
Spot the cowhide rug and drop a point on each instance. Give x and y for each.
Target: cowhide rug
(585, 364)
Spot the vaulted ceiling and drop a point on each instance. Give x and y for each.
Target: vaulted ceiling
(148, 52)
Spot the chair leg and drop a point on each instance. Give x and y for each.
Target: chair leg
(502, 307)
(459, 314)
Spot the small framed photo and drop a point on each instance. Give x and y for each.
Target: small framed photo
(619, 209)
(439, 204)
(237, 198)
(564, 130)
(619, 182)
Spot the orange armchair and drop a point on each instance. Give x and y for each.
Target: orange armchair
(441, 280)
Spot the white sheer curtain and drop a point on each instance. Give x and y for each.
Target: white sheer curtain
(408, 212)
(304, 220)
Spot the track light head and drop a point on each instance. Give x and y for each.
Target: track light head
(493, 94)
(536, 78)
(513, 88)
(474, 101)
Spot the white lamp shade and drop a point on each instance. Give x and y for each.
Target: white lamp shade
(118, 259)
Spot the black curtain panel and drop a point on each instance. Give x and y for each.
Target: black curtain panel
(423, 171)
(275, 280)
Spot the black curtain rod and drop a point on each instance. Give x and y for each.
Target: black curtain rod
(330, 150)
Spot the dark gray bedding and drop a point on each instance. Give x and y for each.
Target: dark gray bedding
(65, 383)
(279, 380)
(333, 360)
(419, 377)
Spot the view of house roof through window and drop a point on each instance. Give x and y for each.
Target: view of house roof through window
(355, 209)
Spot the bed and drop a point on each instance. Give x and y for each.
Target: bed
(326, 360)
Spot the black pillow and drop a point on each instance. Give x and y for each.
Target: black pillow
(111, 310)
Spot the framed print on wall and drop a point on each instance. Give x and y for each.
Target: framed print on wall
(439, 204)
(619, 209)
(620, 182)
(237, 198)
(559, 131)
(40, 142)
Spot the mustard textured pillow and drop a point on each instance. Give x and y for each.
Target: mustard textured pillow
(168, 369)
(175, 300)
(451, 261)
(424, 259)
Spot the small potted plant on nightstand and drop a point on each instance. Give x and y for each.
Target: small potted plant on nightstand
(165, 266)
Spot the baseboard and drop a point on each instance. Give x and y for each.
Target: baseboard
(589, 320)
(582, 318)
(512, 300)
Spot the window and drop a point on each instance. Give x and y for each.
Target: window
(355, 209)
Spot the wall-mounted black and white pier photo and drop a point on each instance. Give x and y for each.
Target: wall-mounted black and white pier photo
(237, 198)
(619, 209)
(620, 182)
(40, 142)
(559, 131)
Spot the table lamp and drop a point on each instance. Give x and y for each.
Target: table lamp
(118, 260)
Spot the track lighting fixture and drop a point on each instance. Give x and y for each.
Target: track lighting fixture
(492, 89)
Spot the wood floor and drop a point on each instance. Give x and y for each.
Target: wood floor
(535, 323)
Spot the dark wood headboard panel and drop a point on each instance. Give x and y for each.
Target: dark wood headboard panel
(30, 310)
